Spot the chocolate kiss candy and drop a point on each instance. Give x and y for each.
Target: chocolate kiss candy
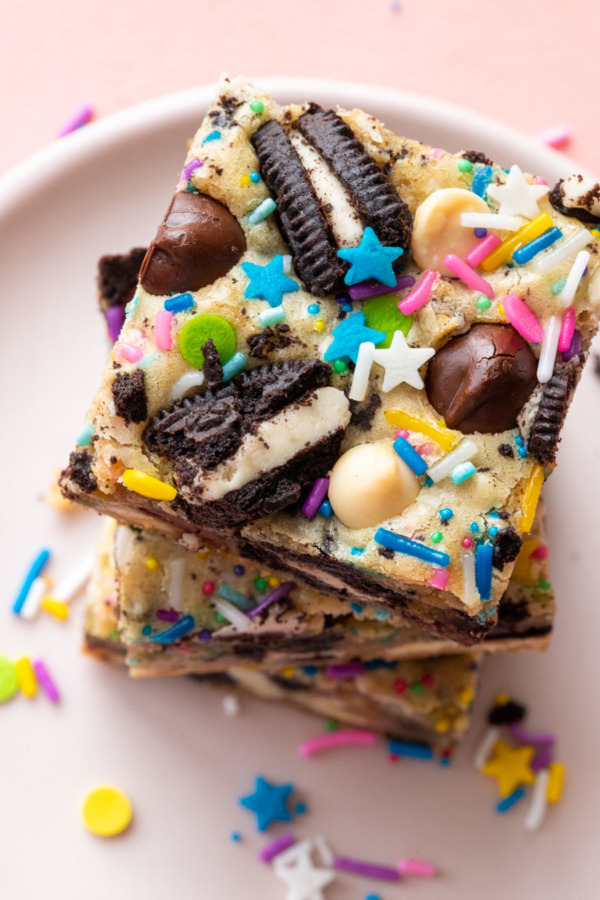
(198, 242)
(481, 380)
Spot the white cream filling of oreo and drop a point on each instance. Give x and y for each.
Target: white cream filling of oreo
(575, 189)
(274, 443)
(337, 204)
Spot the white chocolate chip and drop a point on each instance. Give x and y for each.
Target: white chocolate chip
(370, 484)
(437, 228)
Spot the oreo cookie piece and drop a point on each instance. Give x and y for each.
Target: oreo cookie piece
(545, 431)
(118, 275)
(578, 197)
(129, 396)
(298, 214)
(507, 547)
(79, 471)
(378, 204)
(212, 368)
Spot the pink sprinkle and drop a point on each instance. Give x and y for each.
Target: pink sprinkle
(276, 847)
(567, 329)
(521, 317)
(402, 432)
(78, 120)
(129, 351)
(416, 867)
(467, 543)
(469, 276)
(424, 449)
(482, 249)
(362, 291)
(162, 329)
(191, 167)
(439, 579)
(419, 296)
(539, 553)
(337, 739)
(436, 153)
(557, 136)
(45, 681)
(539, 179)
(316, 497)
(344, 670)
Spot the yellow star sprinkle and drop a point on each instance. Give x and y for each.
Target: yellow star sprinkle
(510, 767)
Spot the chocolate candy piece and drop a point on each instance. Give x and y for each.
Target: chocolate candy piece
(198, 242)
(481, 380)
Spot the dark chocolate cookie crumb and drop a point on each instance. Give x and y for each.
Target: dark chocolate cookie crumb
(387, 552)
(507, 713)
(129, 396)
(269, 339)
(544, 436)
(118, 275)
(80, 472)
(364, 412)
(476, 156)
(506, 450)
(506, 547)
(212, 368)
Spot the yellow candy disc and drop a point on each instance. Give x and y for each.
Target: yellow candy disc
(106, 811)
(148, 486)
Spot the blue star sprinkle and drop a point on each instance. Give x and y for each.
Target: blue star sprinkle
(268, 802)
(268, 282)
(370, 260)
(348, 337)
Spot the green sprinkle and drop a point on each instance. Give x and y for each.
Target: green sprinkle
(465, 165)
(558, 286)
(257, 107)
(416, 687)
(340, 366)
(544, 585)
(114, 635)
(331, 725)
(483, 303)
(261, 584)
(219, 618)
(436, 537)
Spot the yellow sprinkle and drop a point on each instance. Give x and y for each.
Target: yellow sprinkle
(288, 672)
(555, 782)
(320, 325)
(26, 676)
(442, 725)
(56, 608)
(596, 233)
(203, 554)
(148, 486)
(531, 497)
(501, 699)
(152, 564)
(522, 569)
(274, 581)
(465, 697)
(106, 811)
(505, 250)
(439, 433)
(245, 181)
(501, 309)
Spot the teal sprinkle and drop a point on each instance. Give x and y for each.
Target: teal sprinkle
(461, 472)
(213, 136)
(254, 177)
(236, 836)
(382, 615)
(233, 366)
(271, 316)
(314, 309)
(132, 305)
(149, 360)
(240, 600)
(147, 629)
(301, 808)
(190, 188)
(85, 435)
(262, 211)
(427, 481)
(357, 551)
(133, 662)
(558, 286)
(357, 607)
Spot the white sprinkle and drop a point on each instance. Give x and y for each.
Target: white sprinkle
(287, 263)
(360, 381)
(537, 810)
(490, 220)
(485, 746)
(176, 572)
(470, 593)
(574, 277)
(465, 450)
(186, 383)
(37, 591)
(549, 347)
(546, 261)
(70, 586)
(231, 705)
(230, 612)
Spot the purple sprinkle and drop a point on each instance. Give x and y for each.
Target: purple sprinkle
(238, 570)
(585, 271)
(191, 167)
(273, 596)
(575, 348)
(344, 670)
(80, 118)
(276, 847)
(370, 870)
(362, 291)
(480, 232)
(167, 615)
(316, 497)
(45, 681)
(342, 298)
(541, 760)
(205, 635)
(528, 737)
(115, 316)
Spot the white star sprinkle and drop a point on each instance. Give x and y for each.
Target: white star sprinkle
(516, 196)
(304, 880)
(402, 363)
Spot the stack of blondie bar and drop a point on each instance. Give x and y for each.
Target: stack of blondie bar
(339, 375)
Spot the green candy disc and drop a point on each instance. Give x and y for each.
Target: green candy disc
(9, 682)
(382, 314)
(197, 332)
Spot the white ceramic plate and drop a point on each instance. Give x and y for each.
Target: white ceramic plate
(167, 742)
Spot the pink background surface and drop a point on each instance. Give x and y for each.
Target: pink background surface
(523, 61)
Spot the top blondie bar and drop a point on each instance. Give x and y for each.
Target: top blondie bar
(349, 354)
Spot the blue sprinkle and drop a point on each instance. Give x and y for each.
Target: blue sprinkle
(446, 514)
(474, 527)
(310, 670)
(346, 307)
(301, 809)
(483, 569)
(132, 305)
(233, 366)
(480, 232)
(428, 482)
(382, 615)
(525, 253)
(401, 544)
(205, 636)
(357, 551)
(481, 179)
(236, 836)
(146, 361)
(254, 177)
(493, 514)
(230, 593)
(314, 309)
(461, 472)
(407, 452)
(36, 568)
(493, 531)
(271, 316)
(85, 435)
(357, 607)
(445, 761)
(213, 136)
(373, 665)
(175, 631)
(504, 805)
(147, 629)
(190, 188)
(179, 303)
(378, 896)
(415, 751)
(262, 211)
(326, 509)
